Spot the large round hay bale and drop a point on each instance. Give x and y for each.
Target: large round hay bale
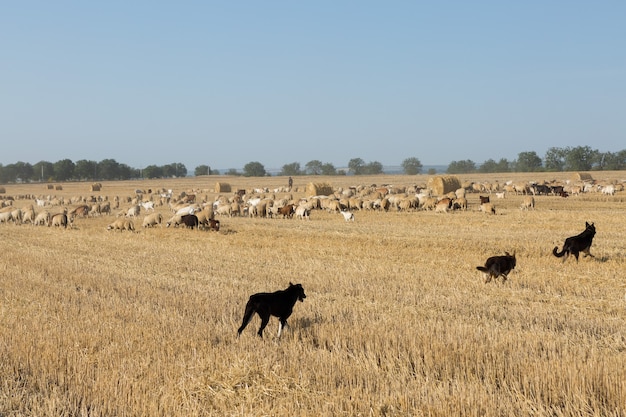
(320, 188)
(96, 186)
(581, 176)
(2, 190)
(443, 184)
(222, 187)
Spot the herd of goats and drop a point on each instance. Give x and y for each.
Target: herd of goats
(187, 210)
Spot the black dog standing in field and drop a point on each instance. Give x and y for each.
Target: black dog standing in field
(576, 244)
(498, 266)
(279, 304)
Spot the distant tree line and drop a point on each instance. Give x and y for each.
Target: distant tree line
(580, 158)
(83, 170)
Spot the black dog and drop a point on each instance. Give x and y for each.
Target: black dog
(576, 244)
(498, 266)
(279, 304)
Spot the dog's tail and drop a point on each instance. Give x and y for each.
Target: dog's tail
(247, 316)
(482, 269)
(556, 252)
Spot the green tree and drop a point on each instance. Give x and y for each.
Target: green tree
(610, 161)
(232, 171)
(580, 158)
(373, 168)
(254, 169)
(313, 167)
(412, 166)
(554, 161)
(9, 173)
(528, 162)
(43, 171)
(328, 169)
(504, 165)
(153, 171)
(108, 169)
(291, 169)
(488, 166)
(202, 170)
(24, 171)
(84, 169)
(175, 170)
(126, 173)
(461, 167)
(356, 165)
(64, 170)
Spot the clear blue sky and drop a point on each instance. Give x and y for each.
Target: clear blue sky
(224, 83)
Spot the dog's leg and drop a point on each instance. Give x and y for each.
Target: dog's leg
(265, 318)
(587, 252)
(282, 323)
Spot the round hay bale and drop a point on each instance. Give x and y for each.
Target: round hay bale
(322, 188)
(96, 186)
(581, 176)
(2, 190)
(222, 187)
(443, 184)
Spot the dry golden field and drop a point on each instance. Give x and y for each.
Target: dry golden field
(397, 320)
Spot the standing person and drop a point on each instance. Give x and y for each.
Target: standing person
(290, 182)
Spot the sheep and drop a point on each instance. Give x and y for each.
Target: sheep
(501, 194)
(460, 203)
(443, 205)
(406, 204)
(303, 212)
(205, 216)
(121, 225)
(175, 220)
(608, 189)
(28, 214)
(152, 219)
(190, 221)
(488, 208)
(82, 211)
(347, 215)
(17, 216)
(148, 205)
(95, 210)
(42, 219)
(58, 220)
(429, 203)
(224, 209)
(133, 211)
(105, 208)
(5, 217)
(528, 203)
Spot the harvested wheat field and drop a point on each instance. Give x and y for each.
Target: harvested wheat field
(397, 320)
